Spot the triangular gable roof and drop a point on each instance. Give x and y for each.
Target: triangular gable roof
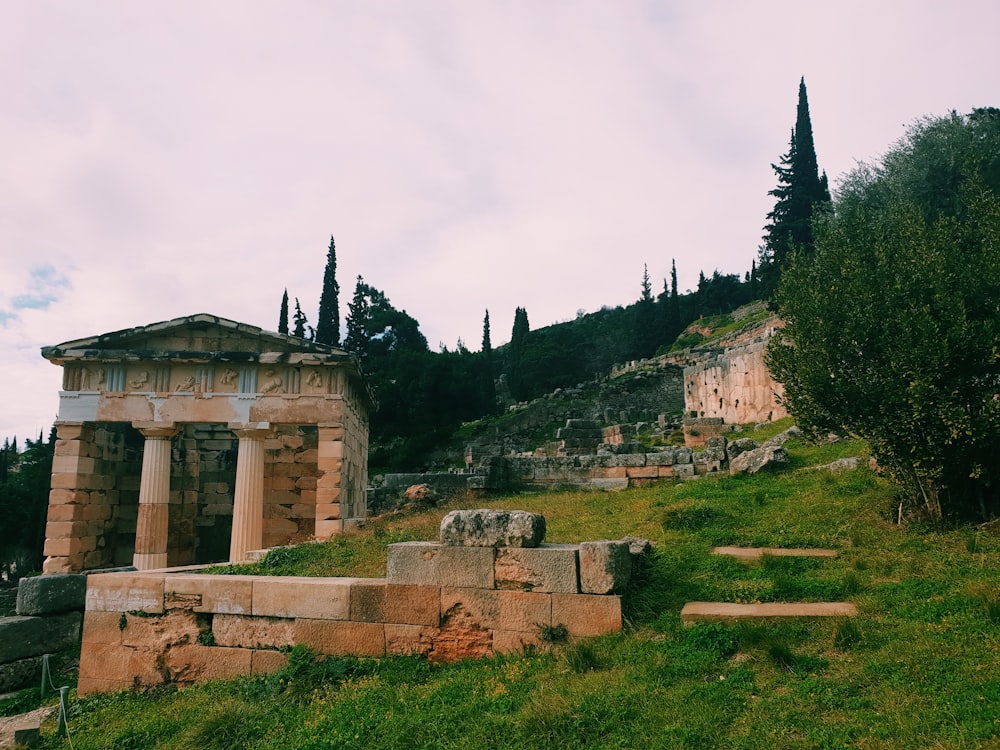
(200, 337)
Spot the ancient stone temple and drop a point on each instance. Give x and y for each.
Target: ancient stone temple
(199, 440)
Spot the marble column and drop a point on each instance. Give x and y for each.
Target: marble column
(154, 496)
(248, 500)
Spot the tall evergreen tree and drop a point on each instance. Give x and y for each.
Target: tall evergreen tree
(646, 334)
(800, 193)
(283, 314)
(328, 323)
(358, 315)
(300, 321)
(489, 393)
(515, 353)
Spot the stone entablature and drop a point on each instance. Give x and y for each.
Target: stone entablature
(145, 411)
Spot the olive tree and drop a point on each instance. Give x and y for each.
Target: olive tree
(893, 326)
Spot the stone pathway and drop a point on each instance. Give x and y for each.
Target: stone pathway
(693, 612)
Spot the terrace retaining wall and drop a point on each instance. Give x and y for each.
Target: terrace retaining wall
(150, 628)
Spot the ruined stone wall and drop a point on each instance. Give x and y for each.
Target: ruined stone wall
(734, 385)
(445, 602)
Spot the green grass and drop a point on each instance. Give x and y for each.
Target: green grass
(920, 666)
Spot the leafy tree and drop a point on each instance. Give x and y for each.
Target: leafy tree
(801, 191)
(328, 323)
(300, 321)
(24, 496)
(283, 314)
(892, 326)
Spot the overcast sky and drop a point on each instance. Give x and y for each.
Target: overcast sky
(162, 159)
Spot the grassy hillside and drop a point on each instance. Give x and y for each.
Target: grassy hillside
(920, 666)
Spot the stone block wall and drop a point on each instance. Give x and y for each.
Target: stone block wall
(290, 479)
(442, 601)
(49, 614)
(734, 385)
(342, 465)
(94, 497)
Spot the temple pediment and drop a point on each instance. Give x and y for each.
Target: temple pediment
(203, 368)
(195, 338)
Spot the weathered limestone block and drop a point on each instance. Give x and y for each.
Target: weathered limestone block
(252, 632)
(217, 593)
(334, 637)
(585, 615)
(124, 592)
(631, 459)
(51, 594)
(461, 636)
(393, 603)
(21, 637)
(432, 564)
(192, 663)
(492, 528)
(783, 437)
(609, 483)
(684, 471)
(498, 610)
(302, 597)
(175, 628)
(409, 639)
(605, 566)
(102, 627)
(660, 458)
(753, 461)
(547, 568)
(741, 445)
(266, 662)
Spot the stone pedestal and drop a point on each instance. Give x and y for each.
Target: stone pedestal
(248, 502)
(154, 497)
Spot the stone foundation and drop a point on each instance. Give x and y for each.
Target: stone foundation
(443, 601)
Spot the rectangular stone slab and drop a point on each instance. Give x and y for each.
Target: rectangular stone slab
(755, 553)
(729, 612)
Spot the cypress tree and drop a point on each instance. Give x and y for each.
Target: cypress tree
(358, 314)
(800, 192)
(489, 394)
(300, 321)
(646, 334)
(283, 314)
(328, 323)
(515, 352)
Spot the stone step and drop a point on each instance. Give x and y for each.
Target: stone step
(729, 612)
(756, 553)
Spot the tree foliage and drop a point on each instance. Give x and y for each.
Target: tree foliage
(328, 322)
(892, 327)
(283, 314)
(800, 192)
(24, 497)
(299, 320)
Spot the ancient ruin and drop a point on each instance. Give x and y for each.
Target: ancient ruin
(198, 440)
(490, 585)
